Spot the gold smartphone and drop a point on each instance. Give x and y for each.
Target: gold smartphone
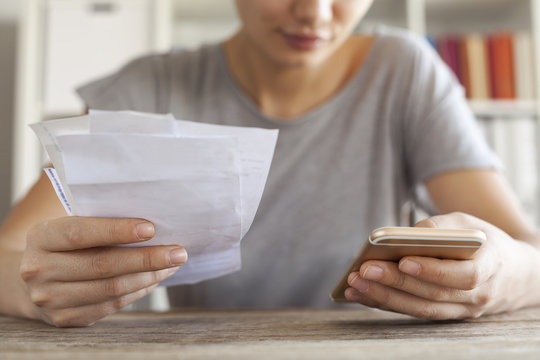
(393, 243)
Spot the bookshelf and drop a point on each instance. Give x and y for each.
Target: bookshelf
(511, 126)
(507, 109)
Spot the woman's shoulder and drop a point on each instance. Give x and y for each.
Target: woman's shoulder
(178, 58)
(402, 45)
(403, 39)
(144, 82)
(407, 55)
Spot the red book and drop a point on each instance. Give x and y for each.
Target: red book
(448, 48)
(501, 59)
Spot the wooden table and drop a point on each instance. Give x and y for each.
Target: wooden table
(289, 334)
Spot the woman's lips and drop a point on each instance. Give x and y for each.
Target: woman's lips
(303, 41)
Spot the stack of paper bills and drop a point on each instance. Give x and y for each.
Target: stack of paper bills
(200, 184)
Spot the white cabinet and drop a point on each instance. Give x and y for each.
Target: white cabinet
(202, 21)
(101, 36)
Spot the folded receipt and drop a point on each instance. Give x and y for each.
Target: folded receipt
(200, 184)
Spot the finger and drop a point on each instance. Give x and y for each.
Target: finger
(89, 314)
(72, 233)
(457, 220)
(63, 295)
(101, 263)
(388, 274)
(461, 274)
(405, 303)
(352, 293)
(458, 274)
(357, 296)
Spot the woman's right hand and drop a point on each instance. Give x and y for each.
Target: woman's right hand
(75, 275)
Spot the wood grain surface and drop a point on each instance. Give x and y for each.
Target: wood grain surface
(270, 334)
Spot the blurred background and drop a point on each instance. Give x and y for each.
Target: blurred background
(49, 47)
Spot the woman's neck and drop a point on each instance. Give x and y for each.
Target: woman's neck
(287, 92)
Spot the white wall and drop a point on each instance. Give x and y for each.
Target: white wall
(9, 12)
(202, 21)
(9, 9)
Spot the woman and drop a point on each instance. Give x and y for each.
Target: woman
(365, 123)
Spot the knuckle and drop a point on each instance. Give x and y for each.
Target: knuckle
(474, 312)
(159, 275)
(427, 222)
(484, 297)
(119, 303)
(113, 287)
(432, 222)
(101, 265)
(114, 230)
(123, 301)
(474, 277)
(58, 320)
(72, 233)
(40, 298)
(385, 297)
(431, 312)
(438, 294)
(29, 269)
(398, 281)
(438, 273)
(482, 300)
(148, 262)
(459, 215)
(155, 276)
(63, 319)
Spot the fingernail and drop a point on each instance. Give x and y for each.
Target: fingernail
(173, 270)
(177, 256)
(351, 295)
(373, 273)
(361, 285)
(409, 267)
(145, 230)
(352, 277)
(358, 283)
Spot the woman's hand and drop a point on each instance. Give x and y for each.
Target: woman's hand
(495, 280)
(75, 276)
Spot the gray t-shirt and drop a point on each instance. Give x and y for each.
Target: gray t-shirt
(339, 171)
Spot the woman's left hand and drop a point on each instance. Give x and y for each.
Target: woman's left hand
(495, 280)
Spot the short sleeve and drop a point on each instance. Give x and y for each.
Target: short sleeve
(140, 85)
(440, 131)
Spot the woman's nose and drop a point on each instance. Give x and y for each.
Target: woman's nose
(312, 11)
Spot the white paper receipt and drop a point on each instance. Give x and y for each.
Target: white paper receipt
(200, 184)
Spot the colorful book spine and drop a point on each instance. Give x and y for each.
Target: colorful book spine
(476, 56)
(465, 67)
(493, 66)
(524, 66)
(501, 62)
(448, 48)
